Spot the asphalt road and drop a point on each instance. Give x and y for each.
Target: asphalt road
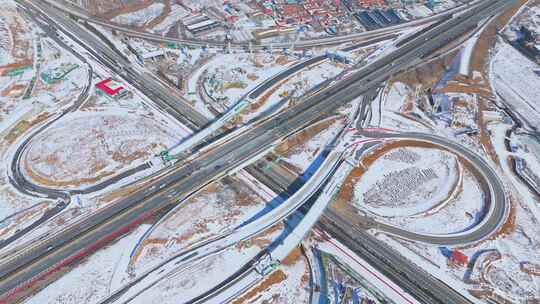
(74, 10)
(495, 199)
(182, 182)
(25, 186)
(416, 283)
(157, 90)
(413, 279)
(17, 178)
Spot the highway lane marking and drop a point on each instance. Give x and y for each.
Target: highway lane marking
(362, 265)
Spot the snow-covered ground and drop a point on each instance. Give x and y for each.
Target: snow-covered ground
(402, 181)
(514, 79)
(216, 209)
(528, 16)
(466, 54)
(187, 282)
(177, 13)
(416, 188)
(94, 278)
(141, 17)
(461, 212)
(296, 87)
(102, 145)
(230, 76)
(396, 97)
(27, 101)
(289, 284)
(301, 149)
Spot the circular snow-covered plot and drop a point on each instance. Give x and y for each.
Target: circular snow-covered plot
(406, 181)
(84, 149)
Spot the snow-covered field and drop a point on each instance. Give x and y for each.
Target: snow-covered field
(514, 79)
(27, 101)
(396, 97)
(5, 42)
(301, 149)
(219, 207)
(421, 188)
(529, 16)
(294, 87)
(407, 181)
(94, 278)
(461, 212)
(288, 285)
(103, 144)
(188, 282)
(177, 13)
(141, 17)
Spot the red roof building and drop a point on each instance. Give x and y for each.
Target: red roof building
(459, 257)
(109, 87)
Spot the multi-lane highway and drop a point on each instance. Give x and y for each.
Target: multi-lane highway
(234, 235)
(82, 14)
(18, 179)
(160, 93)
(182, 181)
(215, 126)
(425, 287)
(418, 282)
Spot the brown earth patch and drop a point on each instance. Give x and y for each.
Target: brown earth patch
(274, 278)
(112, 8)
(166, 11)
(283, 60)
(22, 126)
(14, 90)
(293, 257)
(287, 146)
(426, 75)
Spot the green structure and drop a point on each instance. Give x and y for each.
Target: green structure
(18, 71)
(172, 45)
(59, 73)
(165, 156)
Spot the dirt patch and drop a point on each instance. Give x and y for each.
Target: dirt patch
(293, 257)
(253, 107)
(252, 77)
(274, 278)
(166, 11)
(292, 143)
(262, 239)
(480, 62)
(283, 60)
(14, 90)
(488, 37)
(108, 9)
(22, 126)
(22, 50)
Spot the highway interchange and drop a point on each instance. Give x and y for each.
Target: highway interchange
(186, 179)
(79, 13)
